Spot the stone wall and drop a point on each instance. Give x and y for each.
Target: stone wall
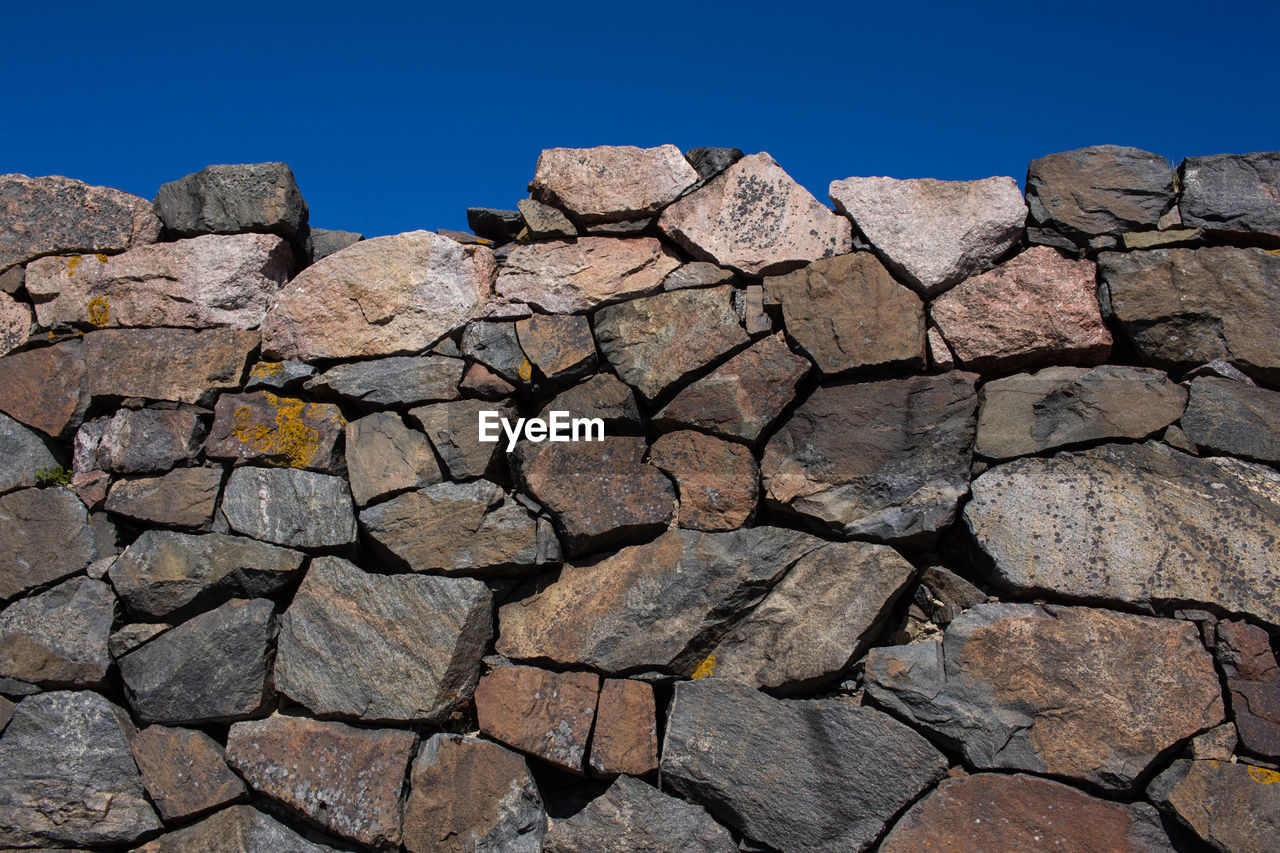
(945, 520)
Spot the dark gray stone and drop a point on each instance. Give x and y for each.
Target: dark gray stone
(25, 457)
(132, 636)
(635, 816)
(1104, 189)
(1234, 418)
(278, 375)
(454, 432)
(325, 242)
(709, 162)
(185, 497)
(290, 507)
(139, 441)
(396, 381)
(233, 199)
(384, 456)
(59, 638)
(238, 829)
(500, 226)
(1234, 193)
(544, 221)
(602, 396)
(497, 347)
(46, 536)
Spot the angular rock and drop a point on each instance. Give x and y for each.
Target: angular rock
(611, 182)
(233, 645)
(1186, 307)
(561, 347)
(163, 572)
(139, 441)
(185, 497)
(655, 342)
(397, 381)
(326, 242)
(67, 777)
(817, 775)
(496, 346)
(575, 276)
(748, 304)
(23, 455)
(232, 199)
(933, 234)
(382, 647)
(290, 507)
(1254, 681)
(59, 638)
(238, 828)
(709, 162)
(602, 396)
(184, 771)
(132, 636)
(1077, 692)
(471, 795)
(45, 388)
(817, 621)
(480, 381)
(55, 215)
(278, 375)
(346, 779)
(182, 365)
(1103, 189)
(884, 460)
(386, 296)
(992, 811)
(1058, 406)
(946, 594)
(46, 538)
(601, 493)
(1037, 308)
(385, 456)
(1134, 524)
(454, 432)
(697, 274)
(500, 226)
(625, 736)
(197, 283)
(1233, 418)
(755, 218)
(657, 606)
(12, 279)
(1191, 237)
(261, 427)
(1218, 743)
(634, 816)
(545, 222)
(1232, 193)
(15, 324)
(742, 397)
(718, 481)
(1232, 807)
(546, 714)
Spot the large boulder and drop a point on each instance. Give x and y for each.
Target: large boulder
(563, 277)
(1232, 193)
(633, 816)
(611, 182)
(46, 536)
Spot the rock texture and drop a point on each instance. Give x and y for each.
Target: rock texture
(45, 388)
(546, 714)
(562, 348)
(15, 324)
(1233, 193)
(567, 277)
(625, 736)
(139, 441)
(23, 455)
(236, 828)
(396, 381)
(59, 638)
(632, 816)
(181, 365)
(1232, 807)
(47, 537)
(611, 182)
(184, 771)
(384, 456)
(1233, 418)
(230, 199)
(718, 480)
(1253, 678)
(453, 429)
(1105, 189)
(185, 497)
(290, 507)
(262, 427)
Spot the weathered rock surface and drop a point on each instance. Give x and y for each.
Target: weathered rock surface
(655, 342)
(742, 397)
(611, 182)
(633, 816)
(718, 481)
(67, 777)
(163, 572)
(480, 381)
(567, 277)
(56, 215)
(546, 714)
(625, 736)
(382, 647)
(396, 381)
(197, 283)
(183, 771)
(327, 241)
(818, 775)
(1186, 307)
(278, 375)
(1079, 692)
(290, 507)
(1244, 652)
(45, 388)
(1035, 309)
(1143, 525)
(1059, 406)
(238, 828)
(602, 396)
(992, 811)
(500, 226)
(233, 644)
(933, 234)
(469, 795)
(386, 296)
(46, 537)
(385, 456)
(1235, 808)
(15, 324)
(496, 346)
(59, 638)
(661, 605)
(182, 365)
(346, 779)
(138, 441)
(545, 222)
(884, 460)
(230, 199)
(184, 497)
(601, 493)
(1233, 418)
(755, 218)
(453, 428)
(1235, 193)
(561, 347)
(1104, 189)
(697, 274)
(23, 455)
(261, 427)
(463, 528)
(709, 162)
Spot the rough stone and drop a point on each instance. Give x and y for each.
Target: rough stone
(454, 432)
(45, 388)
(290, 507)
(12, 280)
(546, 714)
(709, 162)
(1233, 193)
(139, 441)
(561, 347)
(1133, 524)
(611, 182)
(59, 638)
(262, 427)
(231, 199)
(326, 242)
(132, 636)
(1235, 808)
(480, 381)
(397, 381)
(1234, 418)
(496, 346)
(67, 777)
(625, 736)
(1192, 237)
(817, 775)
(1037, 308)
(46, 538)
(384, 456)
(1104, 189)
(23, 455)
(1253, 678)
(1058, 406)
(386, 296)
(238, 828)
(885, 460)
(718, 480)
(182, 365)
(755, 218)
(633, 816)
(602, 396)
(184, 497)
(278, 375)
(748, 304)
(15, 324)
(346, 779)
(197, 283)
(545, 222)
(382, 647)
(946, 594)
(696, 274)
(1076, 692)
(500, 226)
(469, 795)
(933, 234)
(233, 644)
(183, 771)
(562, 277)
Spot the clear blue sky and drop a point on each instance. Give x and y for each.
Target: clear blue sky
(400, 116)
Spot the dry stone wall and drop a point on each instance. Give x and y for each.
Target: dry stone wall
(945, 519)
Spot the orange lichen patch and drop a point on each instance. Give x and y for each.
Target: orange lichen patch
(525, 370)
(706, 668)
(73, 263)
(263, 369)
(1263, 776)
(287, 437)
(102, 259)
(99, 311)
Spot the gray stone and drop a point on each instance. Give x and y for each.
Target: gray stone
(602, 396)
(232, 199)
(290, 507)
(454, 432)
(238, 829)
(185, 497)
(23, 456)
(500, 226)
(496, 346)
(1234, 808)
(1233, 193)
(139, 441)
(697, 274)
(709, 162)
(945, 595)
(263, 427)
(59, 638)
(384, 456)
(634, 816)
(1234, 418)
(1104, 189)
(397, 381)
(325, 242)
(132, 636)
(278, 375)
(46, 538)
(544, 221)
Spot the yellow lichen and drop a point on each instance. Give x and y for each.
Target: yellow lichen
(525, 370)
(706, 668)
(73, 263)
(263, 369)
(1263, 776)
(99, 311)
(102, 259)
(289, 439)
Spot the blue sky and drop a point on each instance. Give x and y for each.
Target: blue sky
(400, 116)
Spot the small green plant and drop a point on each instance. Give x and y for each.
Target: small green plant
(55, 476)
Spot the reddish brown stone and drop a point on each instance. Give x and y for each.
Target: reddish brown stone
(347, 779)
(546, 714)
(15, 324)
(185, 497)
(558, 345)
(1254, 681)
(626, 734)
(45, 388)
(482, 382)
(183, 771)
(183, 365)
(91, 487)
(718, 480)
(278, 430)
